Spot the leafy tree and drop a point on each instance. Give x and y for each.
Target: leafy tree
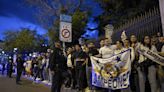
(78, 24)
(53, 36)
(9, 39)
(24, 40)
(50, 10)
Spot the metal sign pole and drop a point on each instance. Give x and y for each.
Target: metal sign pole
(64, 48)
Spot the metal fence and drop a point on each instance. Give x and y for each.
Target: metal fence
(148, 23)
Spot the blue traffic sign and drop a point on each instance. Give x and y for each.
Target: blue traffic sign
(65, 18)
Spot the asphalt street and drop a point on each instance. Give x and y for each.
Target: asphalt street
(9, 85)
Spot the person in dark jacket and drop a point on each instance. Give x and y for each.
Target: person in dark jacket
(92, 51)
(3, 63)
(10, 67)
(134, 74)
(57, 66)
(80, 59)
(20, 67)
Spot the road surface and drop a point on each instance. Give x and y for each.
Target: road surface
(9, 85)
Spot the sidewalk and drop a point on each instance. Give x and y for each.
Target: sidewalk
(28, 81)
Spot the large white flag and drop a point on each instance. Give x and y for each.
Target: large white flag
(113, 72)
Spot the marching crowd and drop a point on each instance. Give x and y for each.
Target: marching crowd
(73, 68)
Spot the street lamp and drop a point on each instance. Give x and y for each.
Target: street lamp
(3, 52)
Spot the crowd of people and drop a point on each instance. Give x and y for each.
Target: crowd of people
(73, 67)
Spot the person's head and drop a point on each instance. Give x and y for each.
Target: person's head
(82, 41)
(86, 50)
(102, 43)
(43, 56)
(159, 34)
(107, 42)
(77, 47)
(69, 50)
(48, 50)
(147, 40)
(28, 58)
(91, 45)
(126, 43)
(133, 38)
(84, 47)
(161, 39)
(154, 40)
(119, 44)
(52, 51)
(57, 44)
(19, 55)
(39, 58)
(47, 54)
(73, 48)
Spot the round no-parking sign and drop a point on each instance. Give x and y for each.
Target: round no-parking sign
(66, 33)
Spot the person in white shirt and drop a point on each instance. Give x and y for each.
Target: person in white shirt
(69, 61)
(107, 50)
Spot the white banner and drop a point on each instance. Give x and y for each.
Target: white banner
(112, 73)
(152, 56)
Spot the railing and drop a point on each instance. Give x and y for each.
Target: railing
(148, 23)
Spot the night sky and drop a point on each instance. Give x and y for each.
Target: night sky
(15, 14)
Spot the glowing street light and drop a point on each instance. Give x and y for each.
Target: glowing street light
(3, 52)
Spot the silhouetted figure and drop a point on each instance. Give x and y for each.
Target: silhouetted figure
(10, 67)
(20, 67)
(58, 67)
